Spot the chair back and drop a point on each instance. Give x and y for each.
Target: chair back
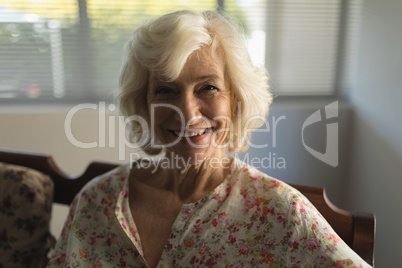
(65, 186)
(356, 229)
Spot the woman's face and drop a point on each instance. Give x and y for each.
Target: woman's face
(191, 115)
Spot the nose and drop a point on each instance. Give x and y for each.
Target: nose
(189, 108)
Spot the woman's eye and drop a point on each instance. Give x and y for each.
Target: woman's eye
(209, 89)
(162, 91)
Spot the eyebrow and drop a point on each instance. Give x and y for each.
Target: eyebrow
(207, 77)
(161, 78)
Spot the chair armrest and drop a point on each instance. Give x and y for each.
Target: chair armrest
(364, 236)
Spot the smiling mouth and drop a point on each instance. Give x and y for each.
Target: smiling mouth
(190, 134)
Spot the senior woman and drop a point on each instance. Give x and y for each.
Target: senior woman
(190, 78)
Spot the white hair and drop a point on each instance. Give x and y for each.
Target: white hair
(163, 46)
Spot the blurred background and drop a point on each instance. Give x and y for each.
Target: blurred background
(57, 54)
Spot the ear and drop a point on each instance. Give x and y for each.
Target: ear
(233, 103)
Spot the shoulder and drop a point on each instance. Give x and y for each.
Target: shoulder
(291, 218)
(114, 178)
(108, 184)
(261, 192)
(261, 185)
(93, 207)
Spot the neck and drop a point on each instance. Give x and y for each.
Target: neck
(186, 180)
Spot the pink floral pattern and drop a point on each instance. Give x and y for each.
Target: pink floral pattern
(249, 220)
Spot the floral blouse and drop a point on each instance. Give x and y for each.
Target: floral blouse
(249, 220)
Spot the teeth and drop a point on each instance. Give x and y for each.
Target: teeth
(191, 134)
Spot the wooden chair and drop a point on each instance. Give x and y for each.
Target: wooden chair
(356, 229)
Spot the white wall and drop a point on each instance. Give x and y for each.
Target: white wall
(41, 129)
(301, 166)
(375, 173)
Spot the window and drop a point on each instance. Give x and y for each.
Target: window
(308, 46)
(70, 50)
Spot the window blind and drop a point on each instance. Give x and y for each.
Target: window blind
(309, 46)
(71, 49)
(33, 40)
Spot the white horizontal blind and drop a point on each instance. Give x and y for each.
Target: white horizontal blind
(34, 37)
(308, 51)
(71, 49)
(303, 45)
